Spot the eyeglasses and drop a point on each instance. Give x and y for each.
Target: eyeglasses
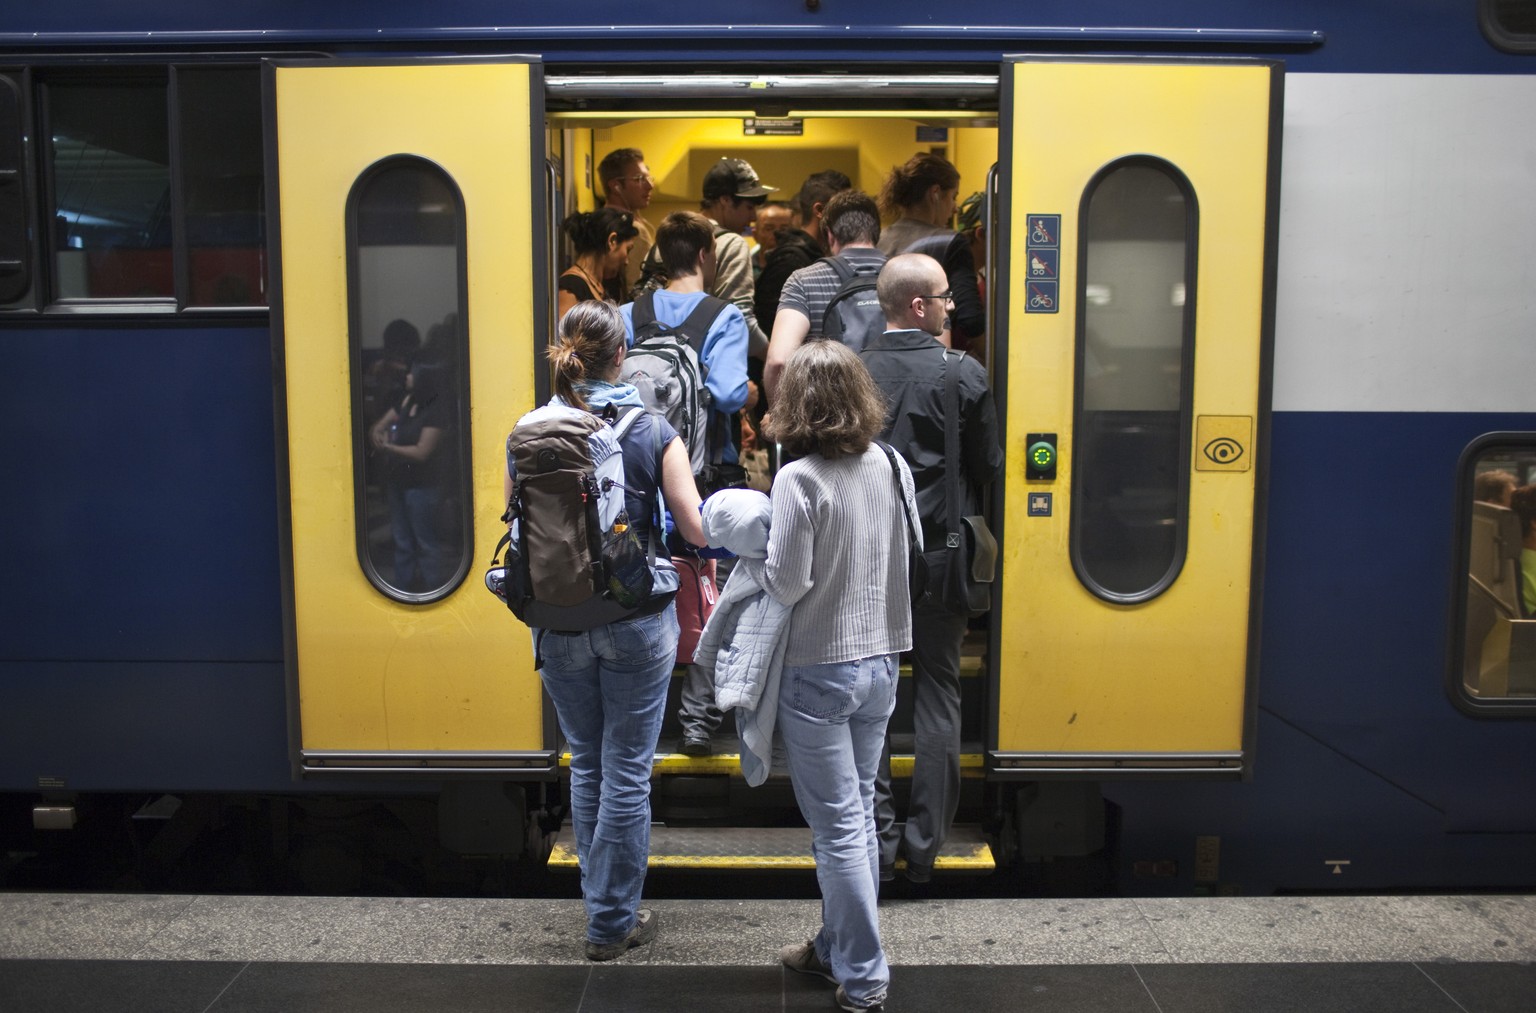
(942, 297)
(642, 178)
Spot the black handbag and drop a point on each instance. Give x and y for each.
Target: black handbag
(917, 566)
(969, 550)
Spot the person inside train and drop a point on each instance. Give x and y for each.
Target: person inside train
(687, 244)
(920, 196)
(1523, 502)
(627, 186)
(839, 554)
(609, 684)
(969, 223)
(772, 218)
(732, 195)
(800, 247)
(602, 240)
(1496, 487)
(851, 225)
(384, 373)
(909, 363)
(411, 442)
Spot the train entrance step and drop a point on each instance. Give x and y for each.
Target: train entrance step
(757, 848)
(727, 759)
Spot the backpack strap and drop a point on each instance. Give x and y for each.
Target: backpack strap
(695, 327)
(644, 311)
(843, 269)
(622, 424)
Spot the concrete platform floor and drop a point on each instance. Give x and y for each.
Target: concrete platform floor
(64, 952)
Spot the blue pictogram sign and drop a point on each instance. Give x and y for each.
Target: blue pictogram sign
(1042, 263)
(1039, 504)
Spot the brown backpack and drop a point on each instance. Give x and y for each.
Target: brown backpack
(573, 560)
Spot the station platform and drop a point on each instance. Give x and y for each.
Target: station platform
(67, 952)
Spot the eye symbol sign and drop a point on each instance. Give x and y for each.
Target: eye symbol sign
(1223, 450)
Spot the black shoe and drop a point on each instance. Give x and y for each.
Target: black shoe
(696, 744)
(917, 872)
(644, 931)
(887, 873)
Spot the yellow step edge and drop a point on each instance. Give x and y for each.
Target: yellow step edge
(971, 764)
(974, 859)
(970, 668)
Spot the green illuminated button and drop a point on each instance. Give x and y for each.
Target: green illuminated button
(1042, 456)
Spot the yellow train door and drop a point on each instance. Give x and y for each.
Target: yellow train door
(404, 199)
(1140, 221)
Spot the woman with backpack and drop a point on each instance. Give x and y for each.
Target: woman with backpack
(602, 240)
(838, 551)
(609, 683)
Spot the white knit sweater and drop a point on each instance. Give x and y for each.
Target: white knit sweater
(837, 552)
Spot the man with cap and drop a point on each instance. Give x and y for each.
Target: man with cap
(732, 195)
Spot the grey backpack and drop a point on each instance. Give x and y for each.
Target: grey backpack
(665, 364)
(854, 316)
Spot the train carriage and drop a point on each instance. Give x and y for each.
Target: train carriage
(1259, 285)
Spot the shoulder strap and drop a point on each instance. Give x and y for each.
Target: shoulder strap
(952, 362)
(901, 494)
(695, 327)
(622, 424)
(845, 271)
(644, 311)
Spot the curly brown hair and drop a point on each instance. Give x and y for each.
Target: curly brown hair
(827, 403)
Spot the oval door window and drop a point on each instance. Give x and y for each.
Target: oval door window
(410, 385)
(1135, 357)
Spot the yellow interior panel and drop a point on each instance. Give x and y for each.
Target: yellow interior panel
(1168, 675)
(374, 674)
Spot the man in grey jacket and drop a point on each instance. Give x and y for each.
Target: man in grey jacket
(732, 195)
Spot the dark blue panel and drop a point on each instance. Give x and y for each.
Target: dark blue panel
(1421, 36)
(1356, 610)
(1306, 806)
(139, 517)
(144, 727)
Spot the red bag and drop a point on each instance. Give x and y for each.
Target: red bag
(696, 597)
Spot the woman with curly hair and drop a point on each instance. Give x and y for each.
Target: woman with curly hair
(920, 196)
(838, 552)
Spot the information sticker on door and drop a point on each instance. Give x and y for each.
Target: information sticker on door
(1042, 263)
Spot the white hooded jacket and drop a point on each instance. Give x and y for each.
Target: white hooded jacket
(743, 642)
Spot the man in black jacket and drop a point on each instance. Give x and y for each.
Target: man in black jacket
(908, 363)
(797, 248)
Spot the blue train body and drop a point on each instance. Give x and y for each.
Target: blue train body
(143, 647)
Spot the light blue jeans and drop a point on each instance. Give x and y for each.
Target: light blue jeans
(833, 719)
(609, 687)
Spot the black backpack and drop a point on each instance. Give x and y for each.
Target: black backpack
(854, 316)
(666, 366)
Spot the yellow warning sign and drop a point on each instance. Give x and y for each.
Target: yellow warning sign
(1223, 442)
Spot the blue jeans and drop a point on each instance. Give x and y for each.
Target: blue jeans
(609, 687)
(833, 720)
(424, 550)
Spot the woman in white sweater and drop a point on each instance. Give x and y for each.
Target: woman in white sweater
(838, 552)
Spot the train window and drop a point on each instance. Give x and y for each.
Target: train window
(410, 388)
(15, 250)
(110, 187)
(1494, 640)
(1135, 347)
(221, 184)
(1509, 24)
